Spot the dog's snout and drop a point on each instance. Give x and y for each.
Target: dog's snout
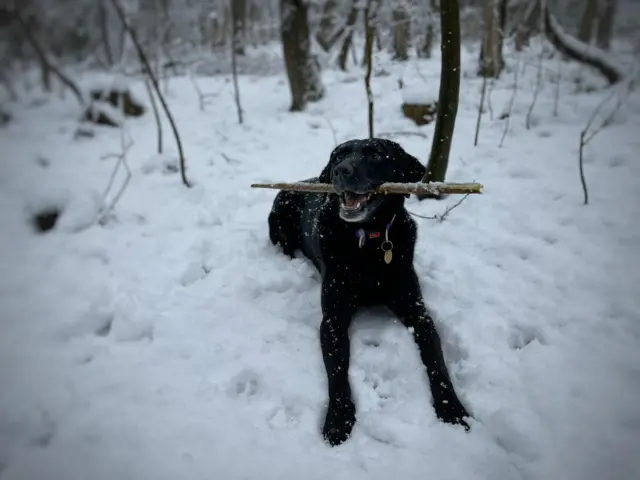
(344, 171)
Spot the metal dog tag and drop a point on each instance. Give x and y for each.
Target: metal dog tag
(388, 256)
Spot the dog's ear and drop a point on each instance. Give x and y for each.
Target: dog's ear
(409, 169)
(325, 175)
(412, 169)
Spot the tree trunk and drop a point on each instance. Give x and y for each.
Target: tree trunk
(328, 30)
(528, 25)
(346, 43)
(491, 60)
(238, 24)
(449, 92)
(369, 32)
(303, 69)
(425, 47)
(605, 25)
(401, 31)
(585, 30)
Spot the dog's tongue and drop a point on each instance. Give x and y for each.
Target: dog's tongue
(353, 199)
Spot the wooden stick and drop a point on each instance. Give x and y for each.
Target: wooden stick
(433, 188)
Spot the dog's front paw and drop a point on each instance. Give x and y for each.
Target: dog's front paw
(453, 412)
(341, 416)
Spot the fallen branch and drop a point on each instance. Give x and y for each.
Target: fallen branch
(420, 188)
(580, 51)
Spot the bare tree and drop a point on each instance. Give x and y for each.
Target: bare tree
(156, 86)
(527, 24)
(588, 21)
(329, 29)
(303, 69)
(238, 25)
(480, 110)
(369, 29)
(491, 60)
(45, 63)
(449, 92)
(605, 24)
(236, 87)
(425, 47)
(348, 36)
(401, 30)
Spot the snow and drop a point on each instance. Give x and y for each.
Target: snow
(420, 95)
(174, 341)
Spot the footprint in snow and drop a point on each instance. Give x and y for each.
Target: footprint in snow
(286, 415)
(523, 335)
(245, 384)
(119, 326)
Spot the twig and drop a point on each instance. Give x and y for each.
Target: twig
(588, 134)
(234, 70)
(125, 145)
(583, 181)
(419, 188)
(511, 101)
(156, 115)
(444, 214)
(334, 134)
(536, 92)
(556, 97)
(203, 98)
(492, 84)
(156, 86)
(480, 108)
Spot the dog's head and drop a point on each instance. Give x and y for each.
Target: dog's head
(357, 166)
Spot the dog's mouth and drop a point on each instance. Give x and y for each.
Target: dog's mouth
(352, 201)
(354, 206)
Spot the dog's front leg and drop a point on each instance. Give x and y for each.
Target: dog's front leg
(409, 306)
(337, 311)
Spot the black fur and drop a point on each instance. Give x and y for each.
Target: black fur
(354, 276)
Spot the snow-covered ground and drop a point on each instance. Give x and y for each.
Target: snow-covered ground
(174, 341)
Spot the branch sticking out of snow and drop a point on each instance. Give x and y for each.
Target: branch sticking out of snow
(419, 188)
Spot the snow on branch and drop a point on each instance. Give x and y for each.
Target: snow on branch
(580, 51)
(419, 188)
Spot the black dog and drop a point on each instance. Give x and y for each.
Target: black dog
(363, 246)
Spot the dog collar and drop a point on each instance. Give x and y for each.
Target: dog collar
(363, 234)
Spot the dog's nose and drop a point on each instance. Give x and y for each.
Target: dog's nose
(343, 171)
